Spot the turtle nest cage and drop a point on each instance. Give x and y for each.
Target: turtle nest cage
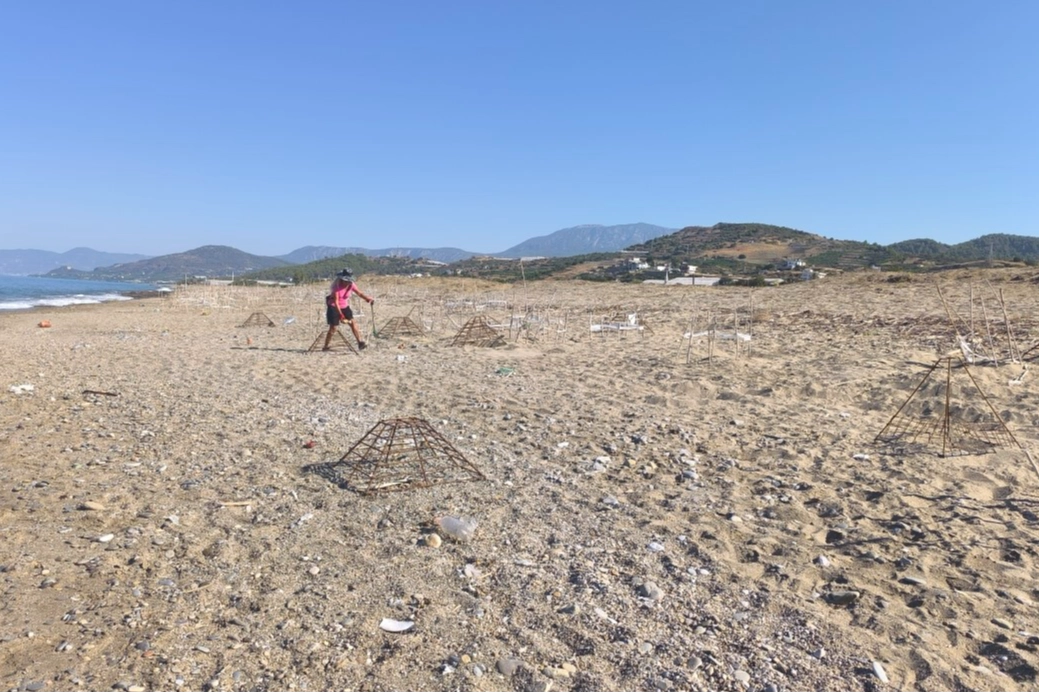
(397, 455)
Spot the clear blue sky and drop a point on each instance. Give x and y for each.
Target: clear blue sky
(156, 127)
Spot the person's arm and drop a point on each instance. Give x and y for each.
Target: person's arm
(366, 298)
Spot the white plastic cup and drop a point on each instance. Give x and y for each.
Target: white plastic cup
(458, 528)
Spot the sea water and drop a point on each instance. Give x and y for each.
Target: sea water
(23, 293)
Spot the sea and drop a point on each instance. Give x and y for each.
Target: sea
(23, 293)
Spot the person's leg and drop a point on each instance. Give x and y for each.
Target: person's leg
(330, 317)
(356, 331)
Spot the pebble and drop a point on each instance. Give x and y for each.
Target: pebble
(911, 580)
(645, 648)
(477, 670)
(573, 609)
(1020, 597)
(555, 672)
(651, 591)
(822, 561)
(694, 663)
(507, 666)
(878, 669)
(105, 538)
(842, 598)
(90, 505)
(1003, 623)
(741, 676)
(314, 570)
(655, 546)
(434, 541)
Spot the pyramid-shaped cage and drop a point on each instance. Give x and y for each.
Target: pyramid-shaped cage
(400, 327)
(948, 414)
(396, 455)
(478, 332)
(257, 319)
(338, 343)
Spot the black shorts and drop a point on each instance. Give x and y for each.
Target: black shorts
(332, 315)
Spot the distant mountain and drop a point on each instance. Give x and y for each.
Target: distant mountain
(994, 246)
(311, 253)
(585, 239)
(43, 261)
(208, 261)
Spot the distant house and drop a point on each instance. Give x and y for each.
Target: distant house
(673, 281)
(790, 265)
(706, 281)
(691, 269)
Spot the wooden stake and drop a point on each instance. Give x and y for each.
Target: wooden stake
(1010, 332)
(988, 328)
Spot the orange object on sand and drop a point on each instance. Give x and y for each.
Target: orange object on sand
(44, 323)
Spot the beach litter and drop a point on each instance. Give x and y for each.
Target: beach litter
(392, 625)
(457, 528)
(21, 389)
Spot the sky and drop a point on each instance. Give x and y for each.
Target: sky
(157, 127)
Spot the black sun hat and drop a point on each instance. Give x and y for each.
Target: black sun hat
(346, 273)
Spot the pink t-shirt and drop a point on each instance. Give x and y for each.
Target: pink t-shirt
(339, 294)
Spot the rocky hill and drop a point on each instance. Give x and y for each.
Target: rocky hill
(759, 244)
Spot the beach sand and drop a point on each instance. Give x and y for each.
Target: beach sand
(649, 519)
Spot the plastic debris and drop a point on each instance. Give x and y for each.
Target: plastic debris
(458, 528)
(392, 625)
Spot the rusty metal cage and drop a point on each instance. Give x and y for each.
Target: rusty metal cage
(335, 345)
(257, 319)
(396, 455)
(478, 332)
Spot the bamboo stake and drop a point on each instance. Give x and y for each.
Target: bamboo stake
(988, 328)
(689, 345)
(1010, 332)
(972, 310)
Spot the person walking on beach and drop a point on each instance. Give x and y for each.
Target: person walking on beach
(338, 307)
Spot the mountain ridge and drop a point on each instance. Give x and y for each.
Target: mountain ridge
(724, 247)
(30, 261)
(207, 260)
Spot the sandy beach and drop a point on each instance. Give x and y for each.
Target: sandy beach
(650, 518)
